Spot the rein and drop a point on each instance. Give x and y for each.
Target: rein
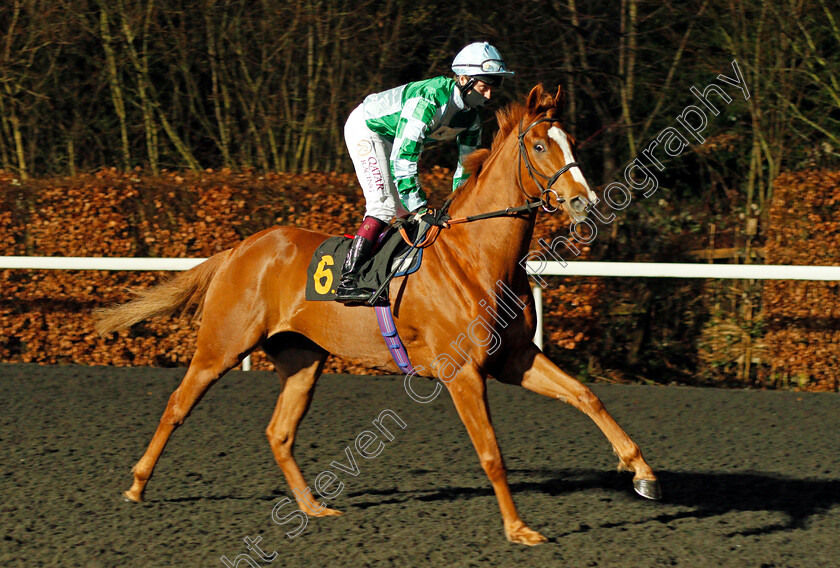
(440, 220)
(507, 212)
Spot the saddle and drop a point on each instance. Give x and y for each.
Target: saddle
(392, 257)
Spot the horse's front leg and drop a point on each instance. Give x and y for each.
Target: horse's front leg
(534, 371)
(469, 393)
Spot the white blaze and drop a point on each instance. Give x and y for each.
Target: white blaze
(562, 140)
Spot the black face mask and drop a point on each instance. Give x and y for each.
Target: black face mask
(474, 99)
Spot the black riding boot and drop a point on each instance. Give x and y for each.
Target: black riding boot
(348, 289)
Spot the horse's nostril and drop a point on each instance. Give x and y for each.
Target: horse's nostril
(578, 204)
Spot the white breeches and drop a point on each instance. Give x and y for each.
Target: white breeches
(370, 153)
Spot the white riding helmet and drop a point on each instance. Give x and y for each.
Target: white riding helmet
(482, 61)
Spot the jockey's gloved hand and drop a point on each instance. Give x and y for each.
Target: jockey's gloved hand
(418, 213)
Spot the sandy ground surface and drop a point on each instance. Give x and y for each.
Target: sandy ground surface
(750, 478)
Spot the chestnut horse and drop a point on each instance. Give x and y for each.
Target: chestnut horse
(253, 296)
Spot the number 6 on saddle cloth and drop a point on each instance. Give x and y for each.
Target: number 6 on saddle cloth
(392, 257)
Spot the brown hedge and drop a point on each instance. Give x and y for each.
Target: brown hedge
(45, 314)
(802, 318)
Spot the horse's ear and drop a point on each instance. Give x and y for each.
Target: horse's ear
(560, 99)
(535, 97)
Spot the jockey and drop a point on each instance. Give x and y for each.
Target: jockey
(387, 132)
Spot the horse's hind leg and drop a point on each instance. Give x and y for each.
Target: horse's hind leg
(299, 363)
(207, 366)
(536, 372)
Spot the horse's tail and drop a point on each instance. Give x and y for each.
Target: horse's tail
(177, 295)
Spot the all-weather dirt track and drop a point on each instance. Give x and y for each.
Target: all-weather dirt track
(749, 478)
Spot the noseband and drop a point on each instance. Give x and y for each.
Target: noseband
(545, 192)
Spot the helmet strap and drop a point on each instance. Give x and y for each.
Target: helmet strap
(465, 88)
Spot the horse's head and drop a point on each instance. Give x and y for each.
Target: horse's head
(548, 169)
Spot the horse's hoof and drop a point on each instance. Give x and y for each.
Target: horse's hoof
(524, 535)
(129, 496)
(648, 488)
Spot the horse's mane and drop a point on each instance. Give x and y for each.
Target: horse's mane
(508, 118)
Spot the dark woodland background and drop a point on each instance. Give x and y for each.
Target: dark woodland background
(156, 116)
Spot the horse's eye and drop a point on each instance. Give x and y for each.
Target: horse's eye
(539, 147)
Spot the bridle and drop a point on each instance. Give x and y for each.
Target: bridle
(440, 219)
(545, 192)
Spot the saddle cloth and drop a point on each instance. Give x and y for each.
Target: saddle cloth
(393, 255)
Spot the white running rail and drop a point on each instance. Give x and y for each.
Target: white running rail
(539, 269)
